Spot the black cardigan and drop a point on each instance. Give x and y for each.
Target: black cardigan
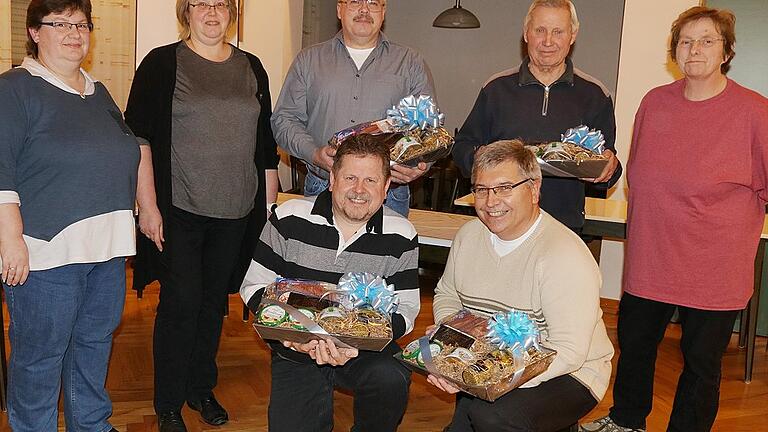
(148, 114)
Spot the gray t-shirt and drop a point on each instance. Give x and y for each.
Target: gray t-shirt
(215, 113)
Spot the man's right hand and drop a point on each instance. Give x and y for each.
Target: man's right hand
(323, 157)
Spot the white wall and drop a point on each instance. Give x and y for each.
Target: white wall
(643, 65)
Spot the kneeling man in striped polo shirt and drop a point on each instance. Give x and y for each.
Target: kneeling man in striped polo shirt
(344, 229)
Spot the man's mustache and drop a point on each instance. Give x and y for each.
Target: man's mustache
(358, 196)
(364, 18)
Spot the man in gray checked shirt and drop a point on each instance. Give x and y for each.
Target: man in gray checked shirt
(352, 78)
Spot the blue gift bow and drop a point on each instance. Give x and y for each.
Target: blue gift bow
(513, 330)
(582, 136)
(415, 113)
(366, 289)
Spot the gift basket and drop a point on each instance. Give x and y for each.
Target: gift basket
(485, 357)
(413, 131)
(578, 154)
(353, 314)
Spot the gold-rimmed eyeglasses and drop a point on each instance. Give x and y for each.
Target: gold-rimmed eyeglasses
(373, 5)
(502, 190)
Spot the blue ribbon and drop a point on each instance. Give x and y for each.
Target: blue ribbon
(368, 290)
(582, 136)
(513, 330)
(415, 113)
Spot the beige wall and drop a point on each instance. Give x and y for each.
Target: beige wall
(5, 35)
(643, 65)
(112, 46)
(265, 22)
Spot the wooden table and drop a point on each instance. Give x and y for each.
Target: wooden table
(607, 218)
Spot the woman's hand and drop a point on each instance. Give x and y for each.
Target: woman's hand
(151, 225)
(13, 250)
(15, 258)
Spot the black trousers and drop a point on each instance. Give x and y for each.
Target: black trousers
(201, 255)
(301, 399)
(705, 336)
(551, 406)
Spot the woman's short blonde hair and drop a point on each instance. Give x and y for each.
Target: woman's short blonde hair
(182, 9)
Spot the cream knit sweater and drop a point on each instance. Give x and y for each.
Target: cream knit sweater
(551, 276)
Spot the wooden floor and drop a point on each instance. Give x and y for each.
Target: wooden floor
(244, 379)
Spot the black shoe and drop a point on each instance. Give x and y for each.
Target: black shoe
(210, 410)
(171, 421)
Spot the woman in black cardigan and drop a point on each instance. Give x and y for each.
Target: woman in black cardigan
(205, 181)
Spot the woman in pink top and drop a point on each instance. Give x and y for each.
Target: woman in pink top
(697, 173)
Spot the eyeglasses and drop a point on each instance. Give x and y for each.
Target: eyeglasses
(219, 6)
(704, 42)
(373, 5)
(65, 27)
(503, 190)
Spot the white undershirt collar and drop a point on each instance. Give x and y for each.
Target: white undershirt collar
(35, 68)
(505, 247)
(359, 56)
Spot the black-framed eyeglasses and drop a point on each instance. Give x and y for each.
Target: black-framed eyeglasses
(373, 5)
(65, 27)
(219, 6)
(503, 190)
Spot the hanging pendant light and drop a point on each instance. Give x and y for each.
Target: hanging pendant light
(456, 17)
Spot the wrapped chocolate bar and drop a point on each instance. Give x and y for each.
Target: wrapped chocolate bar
(412, 130)
(485, 357)
(578, 154)
(354, 313)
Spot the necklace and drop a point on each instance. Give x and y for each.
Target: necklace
(63, 80)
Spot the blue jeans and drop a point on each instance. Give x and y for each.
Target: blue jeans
(61, 328)
(398, 196)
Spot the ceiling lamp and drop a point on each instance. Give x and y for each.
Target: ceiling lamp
(456, 17)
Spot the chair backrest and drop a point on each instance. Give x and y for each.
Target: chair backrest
(298, 172)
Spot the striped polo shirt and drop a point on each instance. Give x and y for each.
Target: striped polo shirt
(301, 240)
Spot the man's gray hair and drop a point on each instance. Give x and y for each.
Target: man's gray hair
(503, 151)
(566, 4)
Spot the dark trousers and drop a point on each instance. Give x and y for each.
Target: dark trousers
(200, 254)
(551, 406)
(301, 399)
(705, 336)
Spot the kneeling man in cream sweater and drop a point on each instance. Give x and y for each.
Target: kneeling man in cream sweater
(516, 256)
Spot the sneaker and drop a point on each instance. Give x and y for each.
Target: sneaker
(605, 424)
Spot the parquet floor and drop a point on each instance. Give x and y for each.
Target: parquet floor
(244, 379)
